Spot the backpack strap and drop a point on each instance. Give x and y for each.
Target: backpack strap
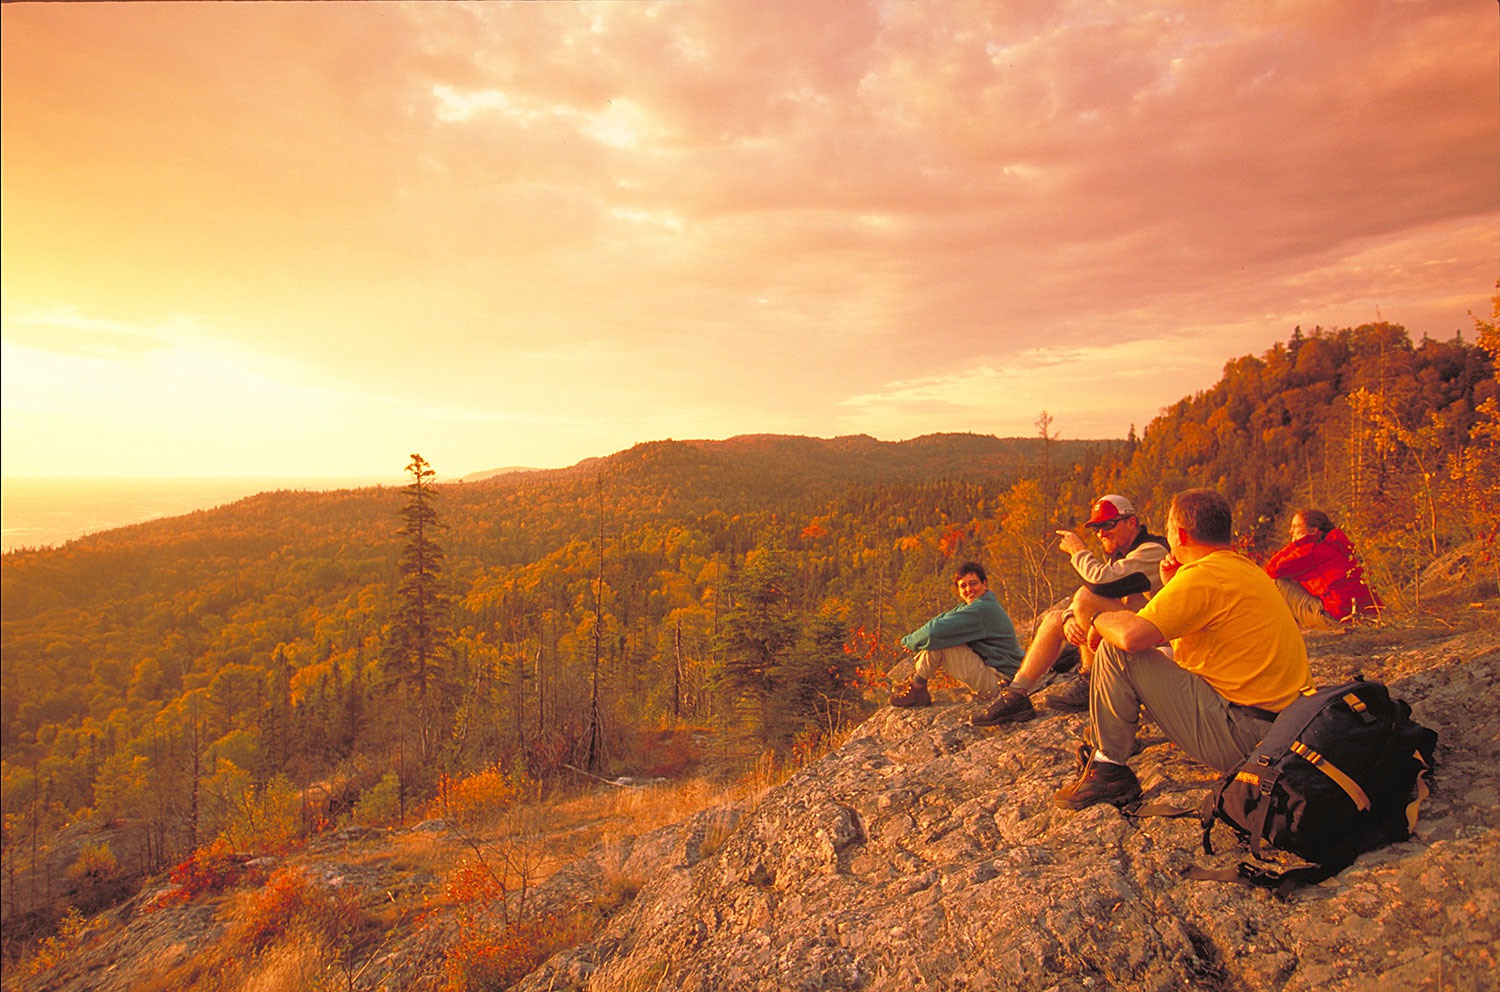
(1263, 779)
(1208, 813)
(1357, 707)
(1422, 791)
(1343, 781)
(1158, 808)
(1282, 883)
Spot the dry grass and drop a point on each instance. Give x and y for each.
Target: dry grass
(415, 850)
(300, 964)
(715, 835)
(291, 932)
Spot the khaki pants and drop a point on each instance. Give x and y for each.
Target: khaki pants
(963, 664)
(1187, 709)
(1307, 608)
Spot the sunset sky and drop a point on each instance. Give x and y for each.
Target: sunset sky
(307, 240)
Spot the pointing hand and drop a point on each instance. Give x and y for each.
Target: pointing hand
(1071, 543)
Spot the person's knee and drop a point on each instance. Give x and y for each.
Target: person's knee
(1088, 601)
(923, 664)
(1109, 659)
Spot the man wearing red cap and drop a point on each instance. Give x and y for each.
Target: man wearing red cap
(1125, 576)
(1237, 658)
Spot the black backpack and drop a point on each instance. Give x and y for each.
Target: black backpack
(1341, 771)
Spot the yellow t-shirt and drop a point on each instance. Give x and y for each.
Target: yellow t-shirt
(1228, 623)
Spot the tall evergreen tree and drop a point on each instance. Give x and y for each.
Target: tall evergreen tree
(420, 633)
(420, 637)
(757, 635)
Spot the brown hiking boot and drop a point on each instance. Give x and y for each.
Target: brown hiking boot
(916, 694)
(1101, 782)
(1072, 695)
(1009, 707)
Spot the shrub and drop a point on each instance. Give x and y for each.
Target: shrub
(480, 796)
(51, 951)
(96, 865)
(471, 880)
(380, 804)
(486, 959)
(207, 870)
(266, 819)
(290, 902)
(96, 880)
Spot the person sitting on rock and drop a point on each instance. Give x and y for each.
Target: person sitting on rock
(1318, 574)
(1125, 576)
(974, 642)
(1238, 658)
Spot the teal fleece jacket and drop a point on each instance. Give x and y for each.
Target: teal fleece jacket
(983, 625)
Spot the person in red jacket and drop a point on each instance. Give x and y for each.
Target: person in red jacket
(1319, 576)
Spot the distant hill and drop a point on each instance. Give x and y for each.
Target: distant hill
(851, 458)
(491, 473)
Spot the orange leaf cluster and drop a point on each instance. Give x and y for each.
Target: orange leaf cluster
(209, 869)
(476, 796)
(482, 958)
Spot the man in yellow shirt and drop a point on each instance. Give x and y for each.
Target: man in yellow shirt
(1237, 657)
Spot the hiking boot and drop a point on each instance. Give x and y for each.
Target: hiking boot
(916, 694)
(1101, 782)
(1072, 695)
(1009, 707)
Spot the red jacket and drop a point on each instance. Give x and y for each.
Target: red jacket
(1326, 568)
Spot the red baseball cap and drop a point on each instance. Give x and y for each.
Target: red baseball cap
(1109, 508)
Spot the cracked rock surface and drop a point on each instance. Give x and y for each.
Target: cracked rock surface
(925, 853)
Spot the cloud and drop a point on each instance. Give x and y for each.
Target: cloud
(62, 329)
(782, 214)
(1079, 385)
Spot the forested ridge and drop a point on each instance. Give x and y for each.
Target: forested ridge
(242, 675)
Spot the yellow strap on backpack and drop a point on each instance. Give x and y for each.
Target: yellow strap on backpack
(1422, 791)
(1328, 768)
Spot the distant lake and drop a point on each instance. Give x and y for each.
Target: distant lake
(52, 512)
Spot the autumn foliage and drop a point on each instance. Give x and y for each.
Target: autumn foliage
(495, 958)
(236, 679)
(206, 871)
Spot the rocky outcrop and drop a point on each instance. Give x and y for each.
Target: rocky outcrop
(925, 853)
(1463, 575)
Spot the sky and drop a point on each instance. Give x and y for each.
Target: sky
(298, 240)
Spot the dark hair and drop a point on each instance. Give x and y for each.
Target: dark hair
(1205, 515)
(971, 568)
(1315, 520)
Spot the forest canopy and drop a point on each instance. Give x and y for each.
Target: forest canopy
(193, 676)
